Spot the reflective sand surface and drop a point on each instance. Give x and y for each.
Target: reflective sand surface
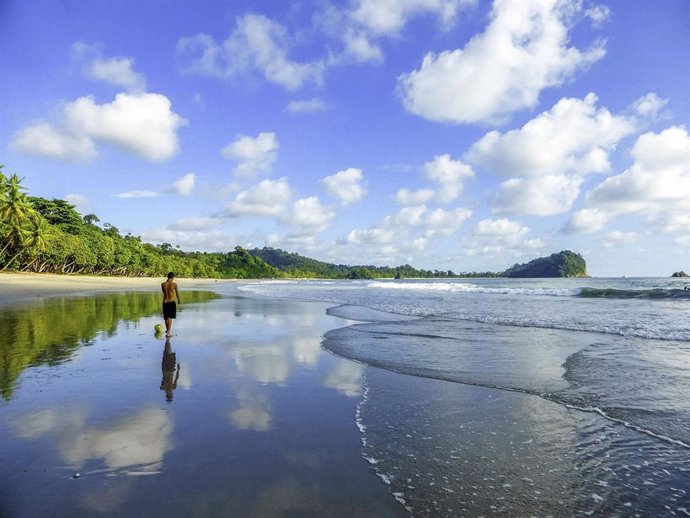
(241, 413)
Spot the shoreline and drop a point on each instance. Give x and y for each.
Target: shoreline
(29, 287)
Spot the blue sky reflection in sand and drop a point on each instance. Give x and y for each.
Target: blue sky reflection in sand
(259, 412)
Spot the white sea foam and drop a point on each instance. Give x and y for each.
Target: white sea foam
(627, 330)
(640, 429)
(385, 478)
(462, 287)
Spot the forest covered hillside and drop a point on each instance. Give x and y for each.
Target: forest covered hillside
(41, 235)
(562, 264)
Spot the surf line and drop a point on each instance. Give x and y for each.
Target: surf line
(597, 410)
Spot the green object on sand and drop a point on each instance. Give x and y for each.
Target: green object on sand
(158, 328)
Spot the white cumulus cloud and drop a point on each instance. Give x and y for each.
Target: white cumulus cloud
(617, 238)
(545, 196)
(360, 48)
(268, 198)
(118, 72)
(372, 236)
(418, 197)
(449, 174)
(500, 236)
(185, 185)
(42, 139)
(254, 154)
(310, 215)
(501, 227)
(550, 155)
(444, 223)
(346, 185)
(573, 137)
(363, 24)
(140, 124)
(411, 227)
(257, 44)
(307, 106)
(522, 51)
(388, 17)
(587, 221)
(649, 105)
(656, 186)
(137, 194)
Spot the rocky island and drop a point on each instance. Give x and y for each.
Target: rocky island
(562, 264)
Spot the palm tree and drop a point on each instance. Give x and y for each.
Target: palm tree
(15, 212)
(3, 182)
(35, 238)
(3, 196)
(14, 205)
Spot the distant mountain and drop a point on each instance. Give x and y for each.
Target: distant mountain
(298, 265)
(562, 264)
(295, 265)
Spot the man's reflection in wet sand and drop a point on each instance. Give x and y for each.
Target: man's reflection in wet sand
(171, 371)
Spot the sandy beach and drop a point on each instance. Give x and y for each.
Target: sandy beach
(25, 287)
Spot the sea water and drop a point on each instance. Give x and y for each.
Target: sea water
(519, 397)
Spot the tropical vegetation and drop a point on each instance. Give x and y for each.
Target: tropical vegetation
(41, 235)
(565, 263)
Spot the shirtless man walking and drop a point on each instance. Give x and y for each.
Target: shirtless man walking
(170, 293)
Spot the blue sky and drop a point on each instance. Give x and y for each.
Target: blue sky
(449, 134)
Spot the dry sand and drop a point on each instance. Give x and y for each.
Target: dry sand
(25, 287)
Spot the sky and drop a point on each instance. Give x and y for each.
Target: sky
(448, 134)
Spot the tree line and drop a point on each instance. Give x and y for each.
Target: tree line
(295, 265)
(41, 235)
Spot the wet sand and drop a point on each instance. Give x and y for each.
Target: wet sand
(258, 421)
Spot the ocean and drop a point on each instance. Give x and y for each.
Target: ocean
(519, 397)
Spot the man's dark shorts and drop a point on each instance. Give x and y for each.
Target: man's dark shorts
(169, 310)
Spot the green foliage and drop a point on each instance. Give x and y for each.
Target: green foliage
(240, 264)
(59, 213)
(360, 272)
(40, 235)
(297, 266)
(562, 264)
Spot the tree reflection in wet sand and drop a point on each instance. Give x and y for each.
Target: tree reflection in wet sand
(262, 422)
(50, 332)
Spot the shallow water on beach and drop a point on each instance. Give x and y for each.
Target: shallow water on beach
(484, 399)
(527, 397)
(242, 413)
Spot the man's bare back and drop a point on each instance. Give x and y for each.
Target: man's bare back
(170, 292)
